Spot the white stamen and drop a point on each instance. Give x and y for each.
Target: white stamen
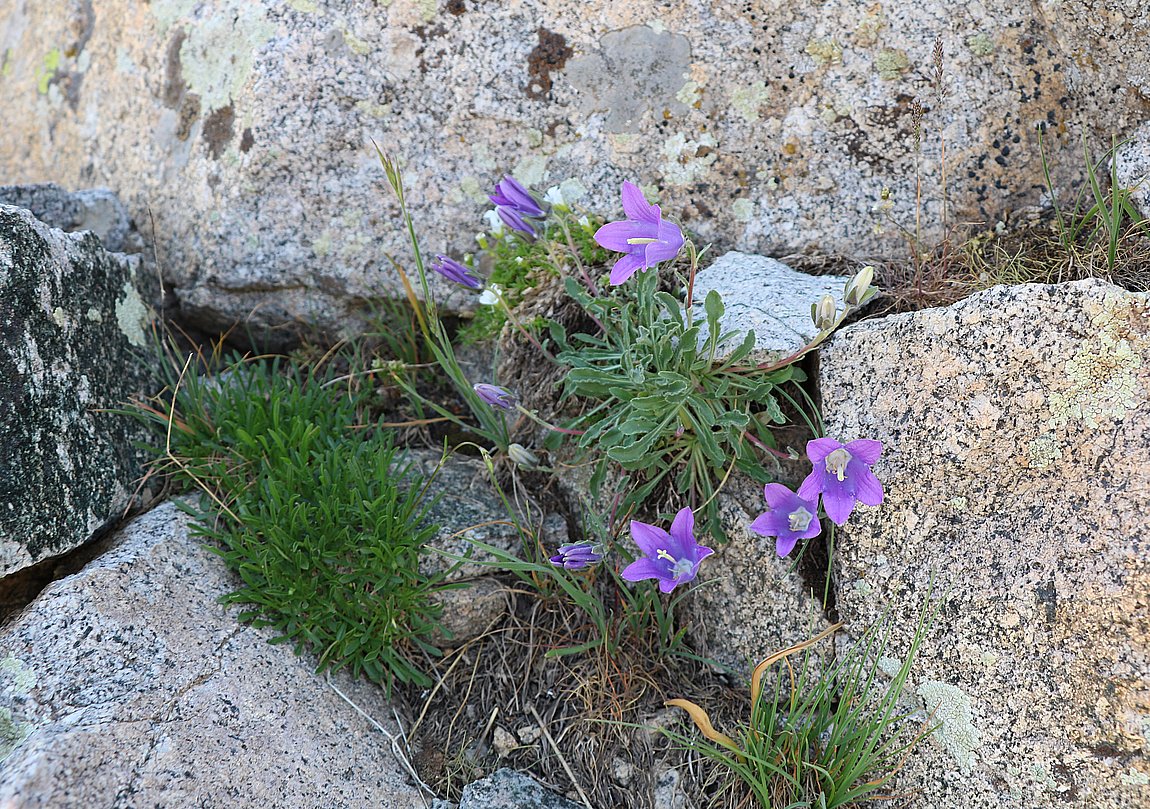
(679, 567)
(638, 240)
(837, 463)
(800, 519)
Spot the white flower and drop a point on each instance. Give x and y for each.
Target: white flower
(492, 295)
(495, 225)
(554, 196)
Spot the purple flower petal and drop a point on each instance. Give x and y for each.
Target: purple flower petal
(838, 504)
(667, 585)
(626, 267)
(770, 524)
(785, 544)
(777, 495)
(642, 568)
(509, 193)
(614, 235)
(649, 538)
(866, 450)
(514, 221)
(683, 534)
(820, 448)
(868, 489)
(812, 485)
(636, 207)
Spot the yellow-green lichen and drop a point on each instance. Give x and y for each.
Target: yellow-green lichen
(471, 189)
(93, 314)
(356, 45)
(427, 9)
(321, 244)
(686, 161)
(60, 318)
(1135, 778)
(218, 55)
(47, 71)
(867, 31)
(747, 100)
(1042, 451)
(6, 63)
(12, 732)
(304, 6)
(534, 138)
(980, 44)
(743, 209)
(18, 677)
(951, 708)
(377, 111)
(132, 316)
(689, 94)
(531, 170)
(1101, 378)
(825, 51)
(890, 63)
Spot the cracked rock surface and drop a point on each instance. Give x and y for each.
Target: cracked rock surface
(128, 685)
(1016, 464)
(74, 334)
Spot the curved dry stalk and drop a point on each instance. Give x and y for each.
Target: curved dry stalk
(760, 670)
(703, 722)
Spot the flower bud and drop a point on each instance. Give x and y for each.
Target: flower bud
(522, 456)
(823, 313)
(857, 286)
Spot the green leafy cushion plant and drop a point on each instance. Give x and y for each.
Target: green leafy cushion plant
(322, 521)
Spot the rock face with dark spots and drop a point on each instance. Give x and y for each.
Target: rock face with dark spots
(1016, 464)
(245, 126)
(74, 332)
(129, 684)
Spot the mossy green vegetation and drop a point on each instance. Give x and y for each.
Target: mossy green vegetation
(312, 506)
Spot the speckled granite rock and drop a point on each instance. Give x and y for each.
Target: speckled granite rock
(1016, 427)
(127, 684)
(766, 296)
(1133, 167)
(507, 789)
(73, 341)
(749, 603)
(98, 210)
(244, 125)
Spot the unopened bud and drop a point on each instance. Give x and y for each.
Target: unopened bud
(522, 456)
(857, 286)
(823, 313)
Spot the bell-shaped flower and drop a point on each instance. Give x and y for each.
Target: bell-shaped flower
(514, 205)
(644, 236)
(789, 518)
(577, 556)
(673, 558)
(842, 474)
(510, 194)
(496, 396)
(456, 272)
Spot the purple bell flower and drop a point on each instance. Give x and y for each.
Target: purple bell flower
(513, 220)
(497, 397)
(456, 272)
(842, 474)
(789, 518)
(644, 236)
(673, 558)
(514, 204)
(576, 556)
(510, 194)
